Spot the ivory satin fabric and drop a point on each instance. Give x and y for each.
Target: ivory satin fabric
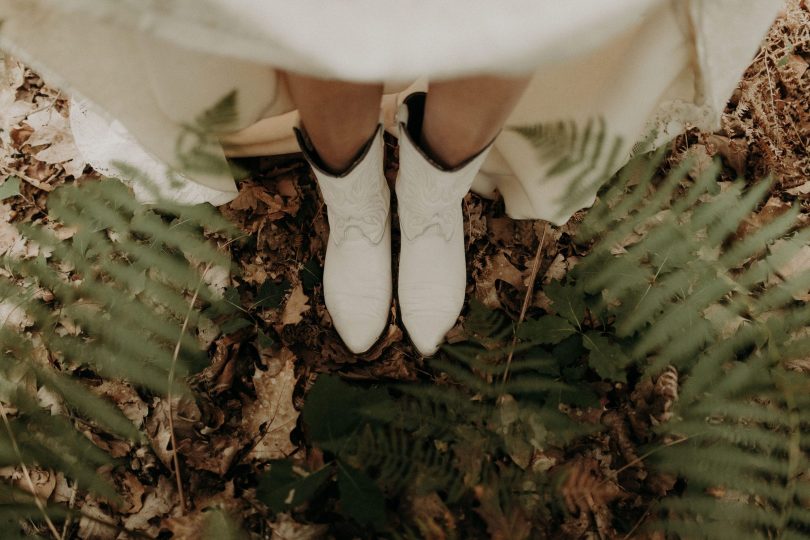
(150, 66)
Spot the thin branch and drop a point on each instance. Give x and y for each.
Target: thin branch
(26, 475)
(526, 300)
(651, 452)
(175, 459)
(71, 502)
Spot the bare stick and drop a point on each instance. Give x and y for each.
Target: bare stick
(526, 300)
(27, 476)
(175, 459)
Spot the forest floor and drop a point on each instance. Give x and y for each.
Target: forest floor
(252, 387)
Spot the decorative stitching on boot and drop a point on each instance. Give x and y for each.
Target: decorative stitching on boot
(427, 194)
(425, 201)
(359, 197)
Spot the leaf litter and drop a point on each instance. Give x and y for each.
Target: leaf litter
(246, 408)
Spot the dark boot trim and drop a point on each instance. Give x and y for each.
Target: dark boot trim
(311, 155)
(416, 114)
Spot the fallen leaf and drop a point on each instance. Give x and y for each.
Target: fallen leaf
(125, 398)
(295, 307)
(185, 414)
(556, 270)
(159, 501)
(13, 316)
(286, 528)
(102, 527)
(11, 241)
(44, 482)
(772, 209)
(132, 491)
(272, 415)
(734, 151)
(392, 335)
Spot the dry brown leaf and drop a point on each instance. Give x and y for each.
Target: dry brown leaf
(214, 454)
(666, 391)
(11, 242)
(125, 398)
(132, 491)
(13, 316)
(286, 528)
(44, 481)
(799, 364)
(191, 525)
(772, 209)
(159, 502)
(724, 320)
(798, 264)
(542, 301)
(286, 187)
(734, 151)
(272, 413)
(250, 196)
(218, 375)
(501, 229)
(295, 307)
(185, 414)
(797, 64)
(504, 270)
(556, 270)
(432, 516)
(392, 335)
(96, 529)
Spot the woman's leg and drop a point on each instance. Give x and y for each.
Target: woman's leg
(463, 115)
(338, 116)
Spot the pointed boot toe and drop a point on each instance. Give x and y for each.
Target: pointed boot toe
(427, 331)
(359, 332)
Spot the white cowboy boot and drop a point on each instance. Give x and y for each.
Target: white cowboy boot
(357, 269)
(432, 269)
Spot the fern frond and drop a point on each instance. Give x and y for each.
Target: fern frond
(588, 153)
(133, 270)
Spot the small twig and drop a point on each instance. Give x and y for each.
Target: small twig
(175, 459)
(651, 452)
(46, 107)
(39, 184)
(637, 525)
(26, 475)
(71, 502)
(526, 300)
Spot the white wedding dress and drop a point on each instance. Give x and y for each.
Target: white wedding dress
(139, 70)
